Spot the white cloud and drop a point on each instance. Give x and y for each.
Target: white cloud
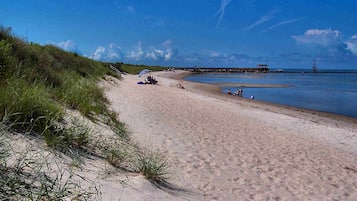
(110, 53)
(214, 54)
(323, 37)
(137, 53)
(328, 44)
(155, 54)
(98, 53)
(169, 54)
(352, 44)
(158, 54)
(67, 45)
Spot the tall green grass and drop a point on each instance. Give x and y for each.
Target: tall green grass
(30, 105)
(81, 93)
(37, 84)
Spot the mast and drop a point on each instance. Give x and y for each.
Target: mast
(314, 67)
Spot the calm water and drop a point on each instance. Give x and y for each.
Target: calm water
(328, 92)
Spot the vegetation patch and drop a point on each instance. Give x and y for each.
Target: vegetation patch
(154, 166)
(25, 175)
(37, 84)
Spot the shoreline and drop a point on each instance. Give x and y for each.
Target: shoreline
(215, 91)
(222, 147)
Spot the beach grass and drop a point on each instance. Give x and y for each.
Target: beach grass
(39, 84)
(28, 105)
(25, 175)
(154, 166)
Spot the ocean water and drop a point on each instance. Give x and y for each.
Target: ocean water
(328, 91)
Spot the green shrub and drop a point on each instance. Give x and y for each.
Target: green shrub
(135, 69)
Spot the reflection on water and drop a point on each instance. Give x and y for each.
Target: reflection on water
(328, 92)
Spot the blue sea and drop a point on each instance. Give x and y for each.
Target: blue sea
(329, 91)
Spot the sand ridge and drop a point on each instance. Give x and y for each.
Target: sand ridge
(225, 149)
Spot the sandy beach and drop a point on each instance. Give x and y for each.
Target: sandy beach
(222, 147)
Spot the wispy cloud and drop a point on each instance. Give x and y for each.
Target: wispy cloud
(282, 23)
(262, 19)
(221, 11)
(167, 42)
(129, 9)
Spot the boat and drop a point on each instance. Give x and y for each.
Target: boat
(314, 66)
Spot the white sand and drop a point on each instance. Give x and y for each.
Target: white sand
(226, 148)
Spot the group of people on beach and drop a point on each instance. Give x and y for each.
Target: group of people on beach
(239, 92)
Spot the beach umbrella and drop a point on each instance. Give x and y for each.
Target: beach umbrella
(143, 72)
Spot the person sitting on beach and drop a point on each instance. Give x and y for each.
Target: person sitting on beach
(181, 86)
(239, 92)
(229, 92)
(151, 80)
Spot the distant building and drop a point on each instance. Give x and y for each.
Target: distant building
(262, 66)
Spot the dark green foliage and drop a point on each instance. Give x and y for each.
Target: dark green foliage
(5, 53)
(135, 69)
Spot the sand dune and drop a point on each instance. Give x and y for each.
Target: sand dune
(226, 148)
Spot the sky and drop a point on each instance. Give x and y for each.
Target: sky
(182, 33)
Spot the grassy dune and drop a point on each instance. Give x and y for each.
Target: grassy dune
(38, 85)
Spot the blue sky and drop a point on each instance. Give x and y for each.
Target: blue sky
(213, 33)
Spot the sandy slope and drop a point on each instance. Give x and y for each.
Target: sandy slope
(225, 148)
